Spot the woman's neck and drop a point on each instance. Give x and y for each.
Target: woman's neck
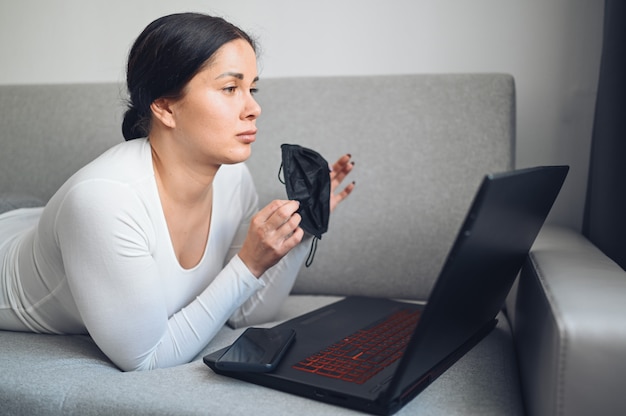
(182, 180)
(186, 194)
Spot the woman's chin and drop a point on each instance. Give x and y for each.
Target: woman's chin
(240, 155)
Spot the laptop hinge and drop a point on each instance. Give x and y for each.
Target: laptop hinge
(415, 388)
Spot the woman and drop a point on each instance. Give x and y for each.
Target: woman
(154, 245)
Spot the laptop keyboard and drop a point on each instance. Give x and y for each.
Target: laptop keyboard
(360, 356)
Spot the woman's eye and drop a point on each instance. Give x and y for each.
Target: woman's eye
(233, 89)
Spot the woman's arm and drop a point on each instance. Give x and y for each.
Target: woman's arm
(104, 232)
(119, 290)
(278, 280)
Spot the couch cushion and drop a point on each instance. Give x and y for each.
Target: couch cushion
(68, 375)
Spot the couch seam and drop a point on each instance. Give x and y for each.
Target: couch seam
(563, 342)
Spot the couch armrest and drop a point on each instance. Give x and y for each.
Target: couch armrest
(570, 328)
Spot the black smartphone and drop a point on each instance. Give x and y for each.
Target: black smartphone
(256, 350)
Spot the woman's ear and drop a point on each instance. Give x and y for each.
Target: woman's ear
(162, 111)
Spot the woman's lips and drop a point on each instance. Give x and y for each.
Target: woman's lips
(247, 136)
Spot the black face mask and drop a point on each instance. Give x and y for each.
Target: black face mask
(307, 179)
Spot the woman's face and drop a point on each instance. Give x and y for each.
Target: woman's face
(215, 120)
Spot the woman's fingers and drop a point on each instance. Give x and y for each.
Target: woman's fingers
(273, 232)
(342, 167)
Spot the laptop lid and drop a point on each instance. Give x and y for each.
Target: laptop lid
(500, 227)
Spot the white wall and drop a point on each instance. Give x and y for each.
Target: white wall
(552, 47)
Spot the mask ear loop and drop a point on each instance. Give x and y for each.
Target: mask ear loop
(309, 259)
(280, 170)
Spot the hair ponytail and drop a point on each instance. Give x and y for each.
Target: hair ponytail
(134, 126)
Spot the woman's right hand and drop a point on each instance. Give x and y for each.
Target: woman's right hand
(273, 232)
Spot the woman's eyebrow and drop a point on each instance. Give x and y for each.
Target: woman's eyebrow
(237, 75)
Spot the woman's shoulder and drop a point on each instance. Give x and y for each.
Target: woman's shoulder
(125, 162)
(112, 178)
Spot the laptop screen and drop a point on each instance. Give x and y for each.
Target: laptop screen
(504, 219)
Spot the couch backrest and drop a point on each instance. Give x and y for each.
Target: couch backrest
(421, 144)
(48, 132)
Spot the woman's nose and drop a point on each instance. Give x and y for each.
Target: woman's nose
(252, 109)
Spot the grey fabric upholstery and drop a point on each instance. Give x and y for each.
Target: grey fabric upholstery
(421, 145)
(570, 327)
(11, 201)
(67, 375)
(49, 132)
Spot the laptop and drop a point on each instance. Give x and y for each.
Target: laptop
(500, 227)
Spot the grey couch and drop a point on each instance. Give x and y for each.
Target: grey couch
(421, 145)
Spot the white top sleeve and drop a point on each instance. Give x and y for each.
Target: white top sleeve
(115, 283)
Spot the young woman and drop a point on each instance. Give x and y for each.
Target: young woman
(154, 245)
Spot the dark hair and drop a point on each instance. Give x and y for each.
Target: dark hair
(165, 56)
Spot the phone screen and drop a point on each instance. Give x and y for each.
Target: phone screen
(257, 349)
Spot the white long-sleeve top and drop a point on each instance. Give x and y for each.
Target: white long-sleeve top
(98, 259)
